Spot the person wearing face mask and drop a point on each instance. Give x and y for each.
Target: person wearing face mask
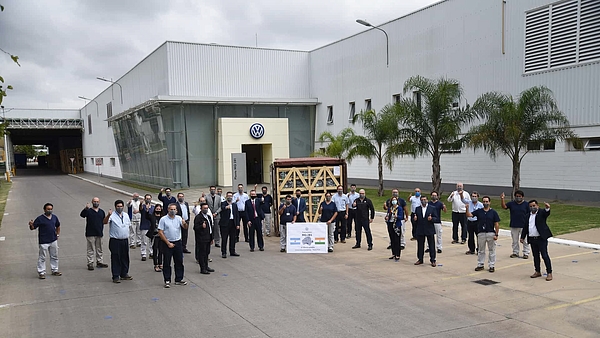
(424, 218)
(154, 218)
(394, 218)
(240, 198)
(537, 233)
(519, 214)
(439, 207)
(365, 213)
(267, 206)
(255, 216)
(214, 205)
(48, 227)
(94, 230)
(473, 205)
(146, 208)
(342, 204)
(328, 212)
(203, 230)
(287, 215)
(386, 206)
(230, 225)
(300, 205)
(183, 211)
(352, 196)
(135, 215)
(458, 198)
(488, 226)
(169, 230)
(119, 224)
(197, 210)
(415, 202)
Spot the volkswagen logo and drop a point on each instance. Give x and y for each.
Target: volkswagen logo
(257, 130)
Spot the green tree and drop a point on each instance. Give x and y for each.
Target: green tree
(381, 132)
(431, 121)
(510, 125)
(28, 150)
(336, 144)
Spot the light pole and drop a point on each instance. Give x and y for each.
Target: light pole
(113, 82)
(97, 106)
(387, 40)
(6, 159)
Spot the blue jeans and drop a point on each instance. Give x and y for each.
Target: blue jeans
(177, 254)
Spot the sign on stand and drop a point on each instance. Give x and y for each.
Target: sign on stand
(72, 164)
(238, 170)
(307, 238)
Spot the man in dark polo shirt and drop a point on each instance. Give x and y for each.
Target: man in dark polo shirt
(519, 215)
(488, 226)
(94, 229)
(48, 227)
(287, 215)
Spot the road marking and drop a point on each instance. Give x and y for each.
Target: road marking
(6, 214)
(517, 264)
(2, 238)
(579, 302)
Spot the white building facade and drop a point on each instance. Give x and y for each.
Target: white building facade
(505, 46)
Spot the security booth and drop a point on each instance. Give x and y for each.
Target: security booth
(314, 176)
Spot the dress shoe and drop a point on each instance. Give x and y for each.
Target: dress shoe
(186, 251)
(282, 250)
(235, 254)
(413, 239)
(463, 241)
(514, 256)
(261, 249)
(217, 246)
(418, 262)
(143, 259)
(247, 240)
(204, 272)
(101, 265)
(370, 247)
(90, 266)
(536, 275)
(224, 255)
(434, 264)
(210, 260)
(210, 270)
(549, 277)
(470, 253)
(389, 247)
(401, 247)
(251, 250)
(330, 250)
(128, 277)
(356, 247)
(426, 251)
(479, 268)
(454, 242)
(343, 241)
(349, 236)
(492, 269)
(439, 251)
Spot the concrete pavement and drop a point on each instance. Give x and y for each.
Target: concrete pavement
(350, 293)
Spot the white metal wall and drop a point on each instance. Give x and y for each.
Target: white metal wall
(460, 39)
(199, 70)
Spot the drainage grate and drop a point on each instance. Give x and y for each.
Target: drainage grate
(486, 282)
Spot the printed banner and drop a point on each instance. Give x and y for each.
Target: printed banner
(307, 238)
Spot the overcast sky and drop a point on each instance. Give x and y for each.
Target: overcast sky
(63, 45)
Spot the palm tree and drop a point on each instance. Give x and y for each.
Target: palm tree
(511, 125)
(432, 123)
(381, 132)
(336, 144)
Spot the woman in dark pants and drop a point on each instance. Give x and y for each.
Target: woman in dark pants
(154, 218)
(393, 219)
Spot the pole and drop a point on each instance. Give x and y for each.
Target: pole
(387, 46)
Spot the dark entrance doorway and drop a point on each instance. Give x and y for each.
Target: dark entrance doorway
(254, 160)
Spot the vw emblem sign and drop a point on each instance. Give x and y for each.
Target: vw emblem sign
(257, 130)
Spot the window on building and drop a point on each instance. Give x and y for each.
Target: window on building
(418, 99)
(92, 160)
(113, 162)
(592, 144)
(534, 145)
(368, 104)
(396, 98)
(451, 148)
(84, 160)
(329, 114)
(352, 111)
(562, 34)
(90, 124)
(549, 145)
(109, 111)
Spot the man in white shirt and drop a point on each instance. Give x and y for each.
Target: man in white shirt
(240, 198)
(537, 233)
(169, 230)
(415, 202)
(458, 198)
(119, 224)
(134, 212)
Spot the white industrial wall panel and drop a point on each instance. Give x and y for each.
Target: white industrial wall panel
(460, 39)
(199, 70)
(42, 113)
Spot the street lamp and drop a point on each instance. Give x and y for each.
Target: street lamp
(387, 40)
(97, 107)
(111, 81)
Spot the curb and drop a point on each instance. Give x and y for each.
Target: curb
(506, 233)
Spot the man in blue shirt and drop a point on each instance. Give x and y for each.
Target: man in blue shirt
(118, 231)
(94, 229)
(169, 230)
(240, 198)
(519, 215)
(48, 227)
(342, 204)
(352, 196)
(472, 205)
(287, 214)
(488, 226)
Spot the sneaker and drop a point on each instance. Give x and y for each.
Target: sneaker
(463, 241)
(330, 250)
(343, 241)
(282, 250)
(143, 259)
(90, 266)
(525, 257)
(101, 265)
(181, 282)
(454, 242)
(479, 268)
(116, 281)
(42, 276)
(167, 284)
(514, 256)
(439, 251)
(356, 246)
(401, 247)
(139, 244)
(217, 246)
(491, 269)
(223, 255)
(56, 273)
(128, 277)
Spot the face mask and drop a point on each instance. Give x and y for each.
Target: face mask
(264, 192)
(288, 202)
(417, 194)
(474, 199)
(394, 202)
(119, 210)
(180, 200)
(519, 199)
(136, 199)
(172, 212)
(95, 205)
(328, 198)
(168, 193)
(48, 212)
(459, 189)
(434, 198)
(158, 212)
(205, 211)
(340, 192)
(486, 205)
(212, 192)
(252, 197)
(298, 195)
(353, 189)
(424, 203)
(229, 199)
(362, 196)
(533, 209)
(395, 194)
(241, 191)
(148, 201)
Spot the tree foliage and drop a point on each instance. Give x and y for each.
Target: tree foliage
(336, 145)
(15, 59)
(28, 150)
(510, 124)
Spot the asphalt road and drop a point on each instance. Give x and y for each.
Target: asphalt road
(350, 293)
